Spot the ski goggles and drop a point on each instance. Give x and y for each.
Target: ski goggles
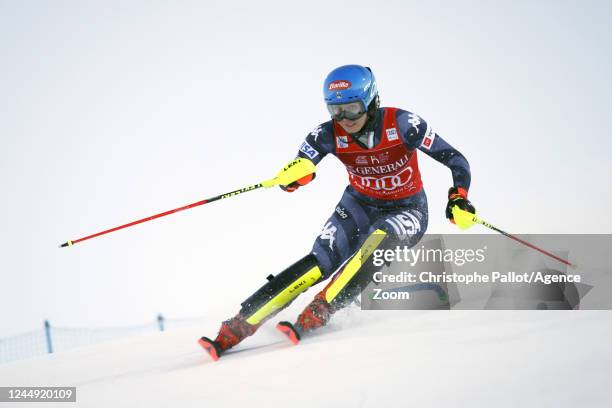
(350, 111)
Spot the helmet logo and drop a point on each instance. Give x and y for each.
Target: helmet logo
(338, 85)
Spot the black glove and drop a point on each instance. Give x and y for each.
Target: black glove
(290, 188)
(457, 196)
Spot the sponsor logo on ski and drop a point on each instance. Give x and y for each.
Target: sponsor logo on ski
(342, 142)
(308, 150)
(339, 85)
(392, 134)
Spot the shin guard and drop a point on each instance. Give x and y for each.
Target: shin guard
(275, 295)
(348, 282)
(344, 288)
(281, 290)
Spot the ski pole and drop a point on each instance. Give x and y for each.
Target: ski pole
(295, 170)
(465, 219)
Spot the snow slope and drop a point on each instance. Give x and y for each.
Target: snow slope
(387, 359)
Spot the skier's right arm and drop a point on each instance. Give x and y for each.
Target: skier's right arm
(318, 143)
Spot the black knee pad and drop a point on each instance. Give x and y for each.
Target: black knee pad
(281, 290)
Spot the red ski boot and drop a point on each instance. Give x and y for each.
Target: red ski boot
(232, 332)
(315, 315)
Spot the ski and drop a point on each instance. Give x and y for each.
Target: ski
(211, 347)
(289, 331)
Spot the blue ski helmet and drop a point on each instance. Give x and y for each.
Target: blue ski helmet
(350, 83)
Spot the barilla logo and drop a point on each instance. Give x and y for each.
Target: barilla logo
(340, 84)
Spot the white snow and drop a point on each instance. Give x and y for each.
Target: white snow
(363, 359)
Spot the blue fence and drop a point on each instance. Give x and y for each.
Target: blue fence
(50, 339)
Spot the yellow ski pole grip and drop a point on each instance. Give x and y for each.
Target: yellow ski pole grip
(293, 171)
(463, 219)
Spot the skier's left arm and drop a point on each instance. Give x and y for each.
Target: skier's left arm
(420, 135)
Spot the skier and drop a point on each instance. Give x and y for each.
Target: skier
(384, 199)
